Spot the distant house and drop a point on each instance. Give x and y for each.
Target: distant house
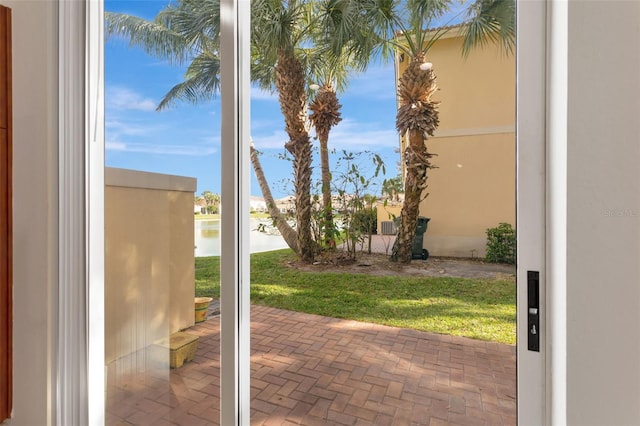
(257, 204)
(473, 186)
(286, 204)
(200, 206)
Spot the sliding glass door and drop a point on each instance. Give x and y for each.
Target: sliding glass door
(145, 304)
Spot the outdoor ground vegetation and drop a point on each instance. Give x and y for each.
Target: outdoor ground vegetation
(481, 308)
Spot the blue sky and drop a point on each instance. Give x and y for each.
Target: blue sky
(185, 140)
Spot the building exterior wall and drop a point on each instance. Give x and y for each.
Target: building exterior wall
(473, 187)
(149, 258)
(472, 190)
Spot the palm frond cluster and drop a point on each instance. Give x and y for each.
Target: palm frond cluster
(325, 111)
(416, 108)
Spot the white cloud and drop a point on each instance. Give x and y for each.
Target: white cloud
(122, 128)
(115, 146)
(348, 134)
(376, 83)
(258, 124)
(211, 141)
(258, 94)
(274, 140)
(123, 98)
(185, 150)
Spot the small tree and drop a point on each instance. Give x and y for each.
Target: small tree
(392, 188)
(353, 188)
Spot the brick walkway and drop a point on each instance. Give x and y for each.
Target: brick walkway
(313, 370)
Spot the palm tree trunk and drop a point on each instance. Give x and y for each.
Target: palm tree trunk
(417, 163)
(327, 208)
(417, 117)
(325, 113)
(288, 233)
(302, 182)
(291, 93)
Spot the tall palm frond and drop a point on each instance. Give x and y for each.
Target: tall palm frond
(197, 21)
(422, 14)
(490, 21)
(153, 37)
(281, 25)
(201, 82)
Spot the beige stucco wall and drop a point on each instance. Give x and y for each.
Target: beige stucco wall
(473, 187)
(149, 264)
(472, 190)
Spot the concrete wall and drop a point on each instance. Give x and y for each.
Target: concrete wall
(149, 265)
(603, 235)
(473, 187)
(35, 220)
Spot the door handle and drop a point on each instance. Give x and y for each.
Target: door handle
(533, 310)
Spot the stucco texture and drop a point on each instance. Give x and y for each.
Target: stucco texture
(149, 262)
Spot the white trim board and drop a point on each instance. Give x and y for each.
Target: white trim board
(474, 131)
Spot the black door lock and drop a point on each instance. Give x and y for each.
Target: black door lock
(533, 310)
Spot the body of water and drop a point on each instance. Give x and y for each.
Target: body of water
(207, 237)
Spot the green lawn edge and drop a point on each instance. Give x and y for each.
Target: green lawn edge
(474, 308)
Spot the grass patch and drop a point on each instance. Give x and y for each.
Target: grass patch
(208, 277)
(480, 309)
(216, 216)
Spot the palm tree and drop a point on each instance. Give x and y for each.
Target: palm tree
(405, 27)
(284, 28)
(417, 116)
(289, 234)
(325, 113)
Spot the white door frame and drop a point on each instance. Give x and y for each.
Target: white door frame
(541, 210)
(530, 193)
(235, 18)
(541, 206)
(78, 393)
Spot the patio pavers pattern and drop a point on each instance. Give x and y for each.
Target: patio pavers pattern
(313, 370)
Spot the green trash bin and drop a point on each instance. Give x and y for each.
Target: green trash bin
(418, 252)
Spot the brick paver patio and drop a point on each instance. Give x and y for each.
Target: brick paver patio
(313, 370)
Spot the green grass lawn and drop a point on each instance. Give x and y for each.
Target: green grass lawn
(216, 216)
(480, 309)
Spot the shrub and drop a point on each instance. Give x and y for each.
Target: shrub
(365, 220)
(501, 244)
